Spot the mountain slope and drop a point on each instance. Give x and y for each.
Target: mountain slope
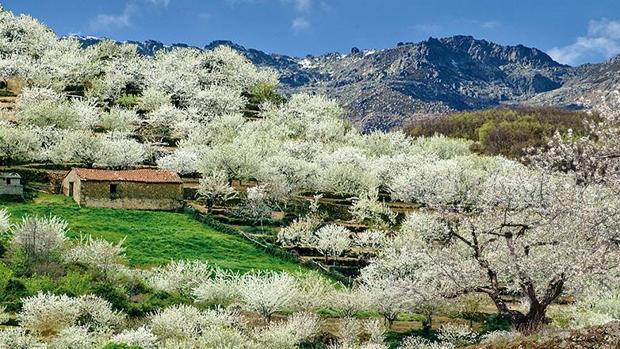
(388, 88)
(590, 84)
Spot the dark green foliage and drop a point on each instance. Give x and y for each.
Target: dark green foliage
(393, 339)
(117, 298)
(496, 322)
(75, 284)
(127, 101)
(259, 94)
(505, 131)
(6, 93)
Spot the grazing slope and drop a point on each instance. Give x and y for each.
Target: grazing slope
(155, 237)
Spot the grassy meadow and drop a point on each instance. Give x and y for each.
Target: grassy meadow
(153, 237)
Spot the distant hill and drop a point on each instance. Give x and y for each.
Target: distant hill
(382, 89)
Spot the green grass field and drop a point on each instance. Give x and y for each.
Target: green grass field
(152, 237)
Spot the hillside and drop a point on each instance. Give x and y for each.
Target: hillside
(382, 89)
(154, 238)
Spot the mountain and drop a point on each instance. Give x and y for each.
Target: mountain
(590, 84)
(382, 89)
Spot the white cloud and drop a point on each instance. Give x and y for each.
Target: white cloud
(490, 24)
(107, 22)
(163, 3)
(300, 24)
(602, 40)
(303, 5)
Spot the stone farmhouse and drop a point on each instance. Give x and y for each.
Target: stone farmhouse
(143, 189)
(10, 184)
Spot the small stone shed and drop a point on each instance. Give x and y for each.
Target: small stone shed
(142, 189)
(10, 184)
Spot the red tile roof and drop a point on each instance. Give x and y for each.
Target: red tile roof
(140, 175)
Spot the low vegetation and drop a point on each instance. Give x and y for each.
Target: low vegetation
(506, 130)
(151, 237)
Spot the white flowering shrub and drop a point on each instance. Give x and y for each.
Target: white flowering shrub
(40, 236)
(45, 107)
(181, 161)
(368, 210)
(141, 337)
(373, 239)
(118, 151)
(423, 343)
(215, 188)
(19, 144)
(332, 240)
(119, 120)
(87, 111)
(596, 306)
(180, 322)
(441, 147)
(375, 329)
(75, 146)
(179, 276)
(47, 314)
(297, 328)
(153, 100)
(458, 335)
(5, 223)
(313, 292)
(75, 337)
(500, 337)
(348, 301)
(96, 253)
(300, 232)
(19, 338)
(222, 288)
(267, 293)
(183, 322)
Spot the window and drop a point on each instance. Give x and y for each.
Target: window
(113, 191)
(8, 181)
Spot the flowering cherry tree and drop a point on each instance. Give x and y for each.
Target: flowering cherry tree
(518, 230)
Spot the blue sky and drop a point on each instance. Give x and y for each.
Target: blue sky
(572, 31)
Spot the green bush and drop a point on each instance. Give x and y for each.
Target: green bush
(127, 101)
(117, 298)
(38, 283)
(5, 276)
(505, 131)
(259, 94)
(75, 284)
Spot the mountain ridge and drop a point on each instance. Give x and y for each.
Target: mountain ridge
(387, 88)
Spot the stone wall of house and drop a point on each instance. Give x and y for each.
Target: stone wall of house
(72, 177)
(131, 195)
(15, 188)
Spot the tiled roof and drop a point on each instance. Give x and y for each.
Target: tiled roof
(141, 175)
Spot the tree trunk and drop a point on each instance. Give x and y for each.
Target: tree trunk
(427, 324)
(532, 321)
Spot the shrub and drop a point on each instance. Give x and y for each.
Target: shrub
(267, 293)
(127, 101)
(75, 284)
(39, 236)
(97, 253)
(504, 130)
